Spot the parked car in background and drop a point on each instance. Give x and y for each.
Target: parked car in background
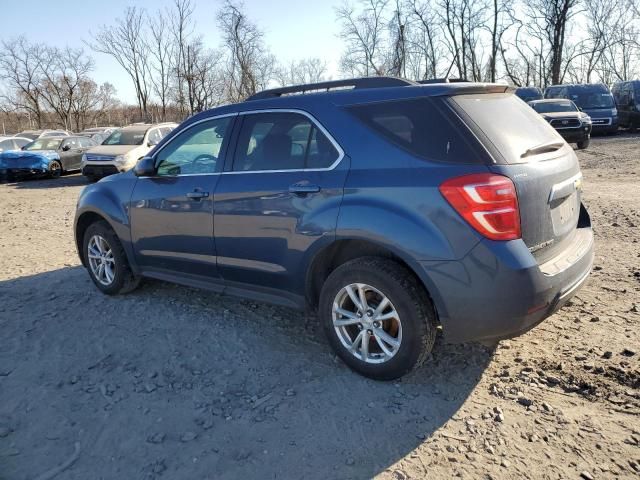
(121, 150)
(566, 118)
(594, 99)
(627, 98)
(528, 94)
(50, 156)
(391, 207)
(12, 143)
(33, 134)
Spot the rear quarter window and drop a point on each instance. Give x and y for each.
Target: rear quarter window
(424, 127)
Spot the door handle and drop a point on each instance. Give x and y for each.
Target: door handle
(303, 189)
(197, 195)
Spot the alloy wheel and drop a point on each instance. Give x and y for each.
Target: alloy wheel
(367, 323)
(101, 260)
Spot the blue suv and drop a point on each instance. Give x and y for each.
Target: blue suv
(392, 208)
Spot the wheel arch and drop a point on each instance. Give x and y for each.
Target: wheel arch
(341, 251)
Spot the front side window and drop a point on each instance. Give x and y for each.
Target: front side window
(155, 136)
(196, 150)
(71, 143)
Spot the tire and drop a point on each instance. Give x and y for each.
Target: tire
(584, 143)
(55, 169)
(415, 316)
(123, 280)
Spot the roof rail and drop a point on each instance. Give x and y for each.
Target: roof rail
(354, 83)
(442, 80)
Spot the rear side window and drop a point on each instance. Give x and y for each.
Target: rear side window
(421, 128)
(282, 141)
(509, 124)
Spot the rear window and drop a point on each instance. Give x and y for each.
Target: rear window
(508, 123)
(421, 128)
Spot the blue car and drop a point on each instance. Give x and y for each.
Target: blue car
(45, 156)
(392, 209)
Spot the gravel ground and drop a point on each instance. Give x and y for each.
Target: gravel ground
(175, 383)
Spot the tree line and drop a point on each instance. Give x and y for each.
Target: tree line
(175, 74)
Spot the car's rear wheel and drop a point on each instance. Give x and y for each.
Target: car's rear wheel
(106, 260)
(584, 143)
(377, 317)
(55, 169)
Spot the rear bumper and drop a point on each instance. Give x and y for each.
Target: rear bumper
(499, 291)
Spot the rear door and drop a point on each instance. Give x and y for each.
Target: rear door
(281, 193)
(543, 167)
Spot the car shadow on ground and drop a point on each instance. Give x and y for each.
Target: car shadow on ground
(171, 382)
(66, 180)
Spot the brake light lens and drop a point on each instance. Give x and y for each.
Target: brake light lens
(488, 202)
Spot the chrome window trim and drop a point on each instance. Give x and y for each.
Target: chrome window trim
(311, 118)
(315, 122)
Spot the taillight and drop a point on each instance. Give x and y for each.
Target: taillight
(488, 202)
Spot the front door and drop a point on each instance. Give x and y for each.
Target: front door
(281, 194)
(70, 154)
(172, 211)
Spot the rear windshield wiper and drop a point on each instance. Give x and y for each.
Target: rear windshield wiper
(543, 148)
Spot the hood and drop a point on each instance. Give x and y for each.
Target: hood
(28, 158)
(113, 149)
(562, 114)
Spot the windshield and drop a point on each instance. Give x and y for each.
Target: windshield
(44, 144)
(592, 100)
(125, 137)
(554, 107)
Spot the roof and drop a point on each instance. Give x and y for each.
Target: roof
(312, 99)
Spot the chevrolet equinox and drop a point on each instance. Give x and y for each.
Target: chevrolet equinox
(392, 208)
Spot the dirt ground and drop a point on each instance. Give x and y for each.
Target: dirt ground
(174, 383)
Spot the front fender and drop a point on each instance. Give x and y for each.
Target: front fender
(110, 201)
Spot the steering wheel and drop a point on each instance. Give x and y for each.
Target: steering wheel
(204, 158)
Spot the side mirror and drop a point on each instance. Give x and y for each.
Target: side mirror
(66, 148)
(145, 167)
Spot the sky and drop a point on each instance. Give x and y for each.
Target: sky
(293, 29)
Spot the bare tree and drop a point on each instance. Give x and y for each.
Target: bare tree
(549, 19)
(425, 40)
(310, 70)
(162, 52)
(248, 63)
(21, 73)
(363, 31)
(126, 43)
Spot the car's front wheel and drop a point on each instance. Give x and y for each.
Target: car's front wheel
(106, 260)
(55, 169)
(377, 317)
(584, 143)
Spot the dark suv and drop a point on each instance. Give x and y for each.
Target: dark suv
(390, 207)
(566, 118)
(594, 99)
